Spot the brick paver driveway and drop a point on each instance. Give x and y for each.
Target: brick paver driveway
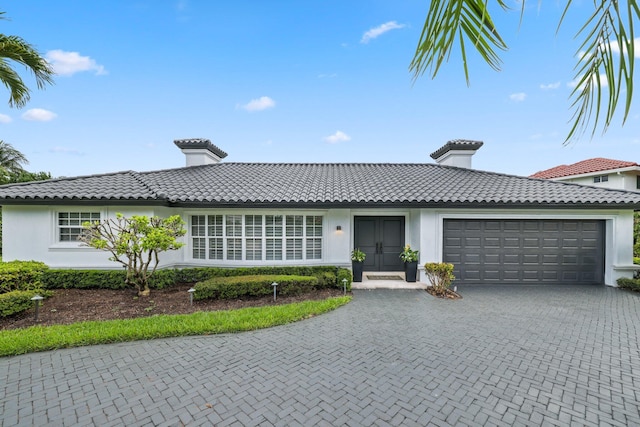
(501, 356)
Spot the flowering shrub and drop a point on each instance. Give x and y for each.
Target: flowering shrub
(440, 275)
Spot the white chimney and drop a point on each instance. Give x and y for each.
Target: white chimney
(456, 153)
(200, 151)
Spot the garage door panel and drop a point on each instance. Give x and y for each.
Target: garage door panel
(525, 251)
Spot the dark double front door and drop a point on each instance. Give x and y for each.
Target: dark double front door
(382, 239)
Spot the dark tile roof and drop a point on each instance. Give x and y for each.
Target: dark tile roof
(200, 143)
(456, 144)
(599, 164)
(316, 185)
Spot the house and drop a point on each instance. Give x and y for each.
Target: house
(599, 172)
(495, 228)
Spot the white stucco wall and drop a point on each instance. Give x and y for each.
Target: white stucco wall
(30, 233)
(618, 233)
(616, 180)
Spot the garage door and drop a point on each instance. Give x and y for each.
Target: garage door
(525, 251)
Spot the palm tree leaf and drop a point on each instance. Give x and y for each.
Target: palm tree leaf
(448, 20)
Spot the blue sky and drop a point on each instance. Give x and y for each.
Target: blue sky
(289, 81)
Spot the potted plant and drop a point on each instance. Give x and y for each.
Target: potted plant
(357, 262)
(410, 258)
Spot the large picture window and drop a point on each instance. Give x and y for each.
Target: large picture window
(257, 237)
(70, 224)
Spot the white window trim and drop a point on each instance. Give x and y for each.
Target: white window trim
(244, 261)
(55, 228)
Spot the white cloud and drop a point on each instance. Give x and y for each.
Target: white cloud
(65, 150)
(5, 119)
(339, 136)
(550, 86)
(69, 63)
(259, 104)
(518, 97)
(603, 82)
(636, 47)
(380, 30)
(39, 115)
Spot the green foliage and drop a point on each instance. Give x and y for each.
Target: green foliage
(42, 338)
(254, 286)
(115, 279)
(440, 275)
(13, 177)
(636, 238)
(15, 49)
(17, 301)
(344, 273)
(604, 60)
(135, 243)
(357, 255)
(21, 275)
(626, 283)
(408, 254)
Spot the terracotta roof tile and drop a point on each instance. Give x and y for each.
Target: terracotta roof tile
(598, 164)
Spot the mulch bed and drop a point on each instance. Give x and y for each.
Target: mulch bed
(450, 294)
(76, 305)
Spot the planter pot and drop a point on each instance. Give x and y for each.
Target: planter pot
(411, 271)
(357, 270)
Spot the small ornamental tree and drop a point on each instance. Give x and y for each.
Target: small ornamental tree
(440, 275)
(135, 243)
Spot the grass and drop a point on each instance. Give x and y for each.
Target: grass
(42, 338)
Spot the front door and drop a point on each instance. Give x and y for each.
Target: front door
(382, 239)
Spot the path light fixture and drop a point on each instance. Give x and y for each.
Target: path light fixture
(344, 284)
(36, 299)
(191, 291)
(275, 286)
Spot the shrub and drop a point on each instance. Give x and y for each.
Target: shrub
(16, 301)
(21, 275)
(440, 275)
(626, 283)
(115, 279)
(101, 279)
(255, 286)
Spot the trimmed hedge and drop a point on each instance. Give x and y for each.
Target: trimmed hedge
(114, 279)
(16, 301)
(626, 283)
(101, 279)
(255, 286)
(21, 275)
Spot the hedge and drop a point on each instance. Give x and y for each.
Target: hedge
(626, 283)
(16, 301)
(21, 275)
(327, 276)
(255, 286)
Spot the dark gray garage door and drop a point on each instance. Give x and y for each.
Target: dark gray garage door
(525, 251)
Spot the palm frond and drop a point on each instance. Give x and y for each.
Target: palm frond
(16, 49)
(451, 20)
(601, 67)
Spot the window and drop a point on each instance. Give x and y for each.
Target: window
(70, 224)
(601, 178)
(257, 237)
(638, 182)
(596, 179)
(234, 237)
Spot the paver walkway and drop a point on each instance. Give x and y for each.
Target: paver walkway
(501, 356)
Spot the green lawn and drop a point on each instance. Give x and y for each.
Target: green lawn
(42, 338)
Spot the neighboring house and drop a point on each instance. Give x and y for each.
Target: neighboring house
(495, 228)
(599, 172)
